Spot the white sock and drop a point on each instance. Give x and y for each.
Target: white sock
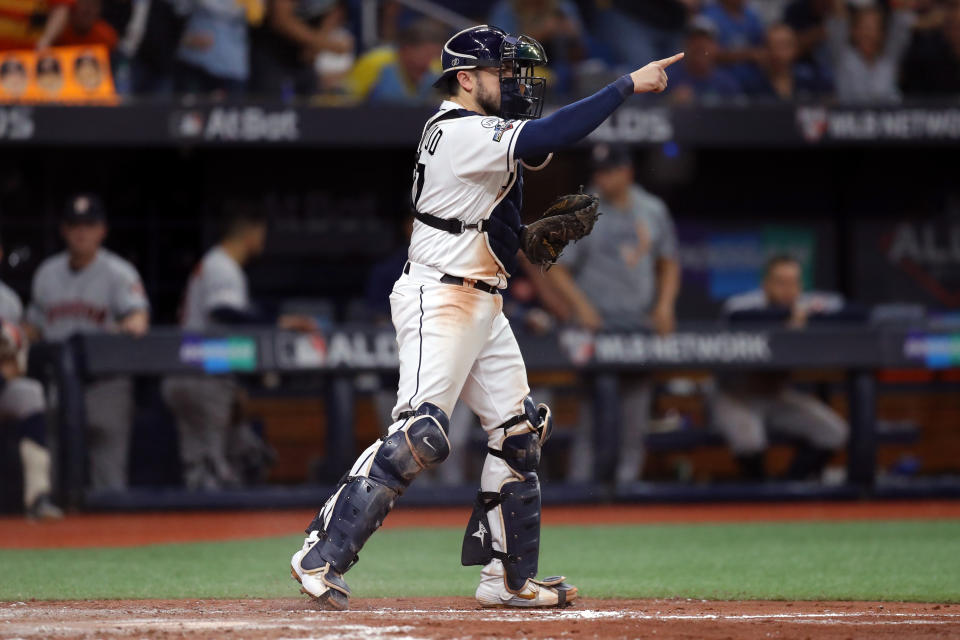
(35, 460)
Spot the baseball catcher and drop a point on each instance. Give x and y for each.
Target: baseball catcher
(454, 340)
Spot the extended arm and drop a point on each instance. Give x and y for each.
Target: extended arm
(663, 316)
(57, 21)
(899, 34)
(136, 323)
(575, 121)
(838, 30)
(586, 314)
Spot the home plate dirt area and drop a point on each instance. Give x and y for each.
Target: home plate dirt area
(414, 618)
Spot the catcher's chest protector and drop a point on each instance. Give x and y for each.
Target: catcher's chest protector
(467, 195)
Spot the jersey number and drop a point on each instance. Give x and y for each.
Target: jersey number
(434, 140)
(418, 175)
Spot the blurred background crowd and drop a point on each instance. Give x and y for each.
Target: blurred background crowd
(874, 51)
(227, 430)
(696, 235)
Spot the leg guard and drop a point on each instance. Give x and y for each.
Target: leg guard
(520, 508)
(368, 493)
(518, 499)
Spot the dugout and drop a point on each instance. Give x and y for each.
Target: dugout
(869, 194)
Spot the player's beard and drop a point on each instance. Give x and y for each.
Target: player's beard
(490, 106)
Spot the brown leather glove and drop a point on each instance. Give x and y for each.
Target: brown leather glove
(568, 219)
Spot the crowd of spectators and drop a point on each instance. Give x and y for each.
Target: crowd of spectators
(770, 50)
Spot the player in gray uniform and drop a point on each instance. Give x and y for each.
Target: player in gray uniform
(747, 405)
(624, 276)
(217, 296)
(88, 289)
(23, 407)
(11, 309)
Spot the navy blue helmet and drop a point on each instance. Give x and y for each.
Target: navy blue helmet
(521, 91)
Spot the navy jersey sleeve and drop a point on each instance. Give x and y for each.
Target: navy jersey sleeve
(573, 122)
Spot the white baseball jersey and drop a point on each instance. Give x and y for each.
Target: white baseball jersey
(465, 168)
(218, 281)
(93, 299)
(11, 309)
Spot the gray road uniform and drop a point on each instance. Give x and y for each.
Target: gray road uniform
(203, 404)
(616, 268)
(746, 406)
(92, 300)
(22, 402)
(11, 309)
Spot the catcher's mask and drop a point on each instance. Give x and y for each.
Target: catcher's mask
(522, 92)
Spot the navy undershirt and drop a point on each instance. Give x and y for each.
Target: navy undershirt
(573, 122)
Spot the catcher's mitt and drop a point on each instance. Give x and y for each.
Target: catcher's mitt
(569, 218)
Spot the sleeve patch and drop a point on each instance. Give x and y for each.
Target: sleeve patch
(500, 129)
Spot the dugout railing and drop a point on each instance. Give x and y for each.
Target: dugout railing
(340, 354)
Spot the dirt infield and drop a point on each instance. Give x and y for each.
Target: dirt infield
(414, 619)
(134, 529)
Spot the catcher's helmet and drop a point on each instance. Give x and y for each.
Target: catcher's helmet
(521, 93)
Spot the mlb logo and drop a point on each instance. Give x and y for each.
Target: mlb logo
(812, 122)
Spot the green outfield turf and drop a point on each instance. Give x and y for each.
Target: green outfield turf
(914, 560)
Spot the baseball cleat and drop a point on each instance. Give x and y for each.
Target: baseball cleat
(44, 509)
(324, 585)
(547, 593)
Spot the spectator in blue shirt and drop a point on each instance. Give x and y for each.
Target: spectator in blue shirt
(697, 78)
(213, 51)
(782, 76)
(740, 34)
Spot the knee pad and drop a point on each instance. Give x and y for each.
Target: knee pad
(521, 449)
(519, 504)
(420, 444)
(362, 502)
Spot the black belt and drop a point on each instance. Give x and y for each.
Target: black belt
(403, 415)
(446, 278)
(455, 226)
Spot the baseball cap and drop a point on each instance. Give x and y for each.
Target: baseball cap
(702, 24)
(84, 208)
(610, 156)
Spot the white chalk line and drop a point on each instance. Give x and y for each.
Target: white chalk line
(301, 620)
(125, 627)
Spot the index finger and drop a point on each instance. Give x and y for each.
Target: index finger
(666, 62)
